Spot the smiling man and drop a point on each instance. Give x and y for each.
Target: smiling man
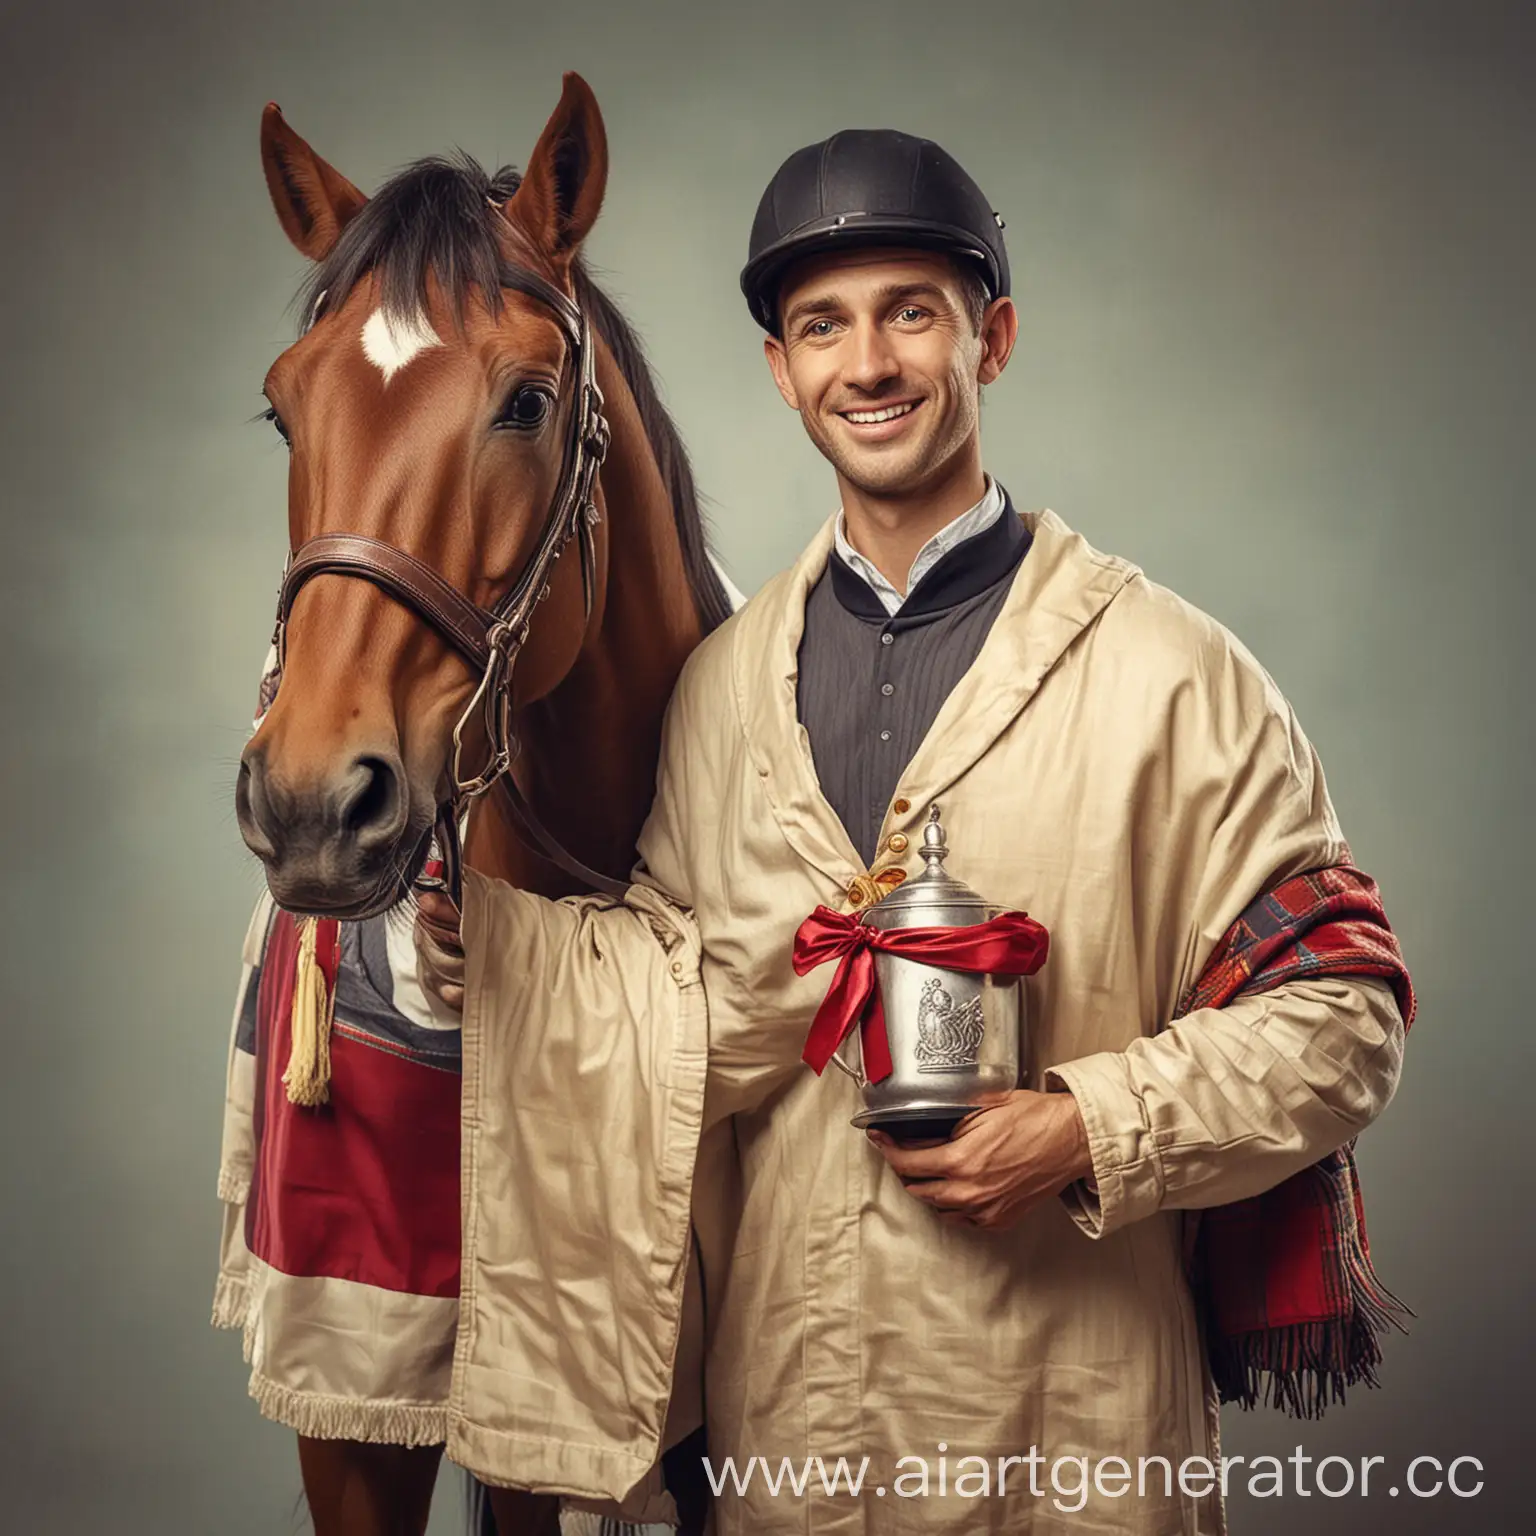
(962, 1320)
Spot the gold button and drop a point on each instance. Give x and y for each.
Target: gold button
(677, 967)
(897, 842)
(901, 807)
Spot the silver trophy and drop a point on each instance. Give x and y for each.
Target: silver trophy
(953, 1035)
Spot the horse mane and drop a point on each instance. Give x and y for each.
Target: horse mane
(436, 218)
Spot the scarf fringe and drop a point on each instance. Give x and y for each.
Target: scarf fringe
(231, 1301)
(319, 1417)
(234, 1188)
(1303, 1368)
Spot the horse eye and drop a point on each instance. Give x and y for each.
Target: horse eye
(270, 414)
(528, 407)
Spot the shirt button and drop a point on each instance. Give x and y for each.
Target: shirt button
(901, 807)
(886, 638)
(677, 967)
(897, 842)
(885, 735)
(887, 689)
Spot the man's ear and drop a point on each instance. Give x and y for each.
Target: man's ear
(562, 190)
(778, 364)
(314, 201)
(999, 331)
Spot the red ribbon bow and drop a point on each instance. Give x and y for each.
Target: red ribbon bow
(1011, 944)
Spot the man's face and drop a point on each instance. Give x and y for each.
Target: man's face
(884, 365)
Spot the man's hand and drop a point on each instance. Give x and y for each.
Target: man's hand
(439, 948)
(1018, 1150)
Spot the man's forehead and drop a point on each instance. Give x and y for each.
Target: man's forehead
(834, 272)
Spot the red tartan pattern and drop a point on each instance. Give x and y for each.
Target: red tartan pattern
(1285, 1279)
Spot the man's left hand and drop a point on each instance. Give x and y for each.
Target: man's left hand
(1017, 1151)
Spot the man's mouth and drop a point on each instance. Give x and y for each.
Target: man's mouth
(874, 415)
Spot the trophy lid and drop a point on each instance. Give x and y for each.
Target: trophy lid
(934, 898)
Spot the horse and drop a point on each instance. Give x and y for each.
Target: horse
(462, 406)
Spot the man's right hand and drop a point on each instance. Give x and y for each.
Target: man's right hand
(439, 949)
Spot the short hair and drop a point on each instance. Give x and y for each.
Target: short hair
(974, 294)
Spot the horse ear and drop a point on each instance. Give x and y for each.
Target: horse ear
(563, 186)
(314, 201)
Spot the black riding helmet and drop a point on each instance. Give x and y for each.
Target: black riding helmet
(868, 186)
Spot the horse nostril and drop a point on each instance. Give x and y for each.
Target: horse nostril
(374, 808)
(249, 807)
(243, 794)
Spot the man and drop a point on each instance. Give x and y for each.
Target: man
(1002, 1324)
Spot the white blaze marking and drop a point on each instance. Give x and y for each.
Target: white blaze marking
(389, 343)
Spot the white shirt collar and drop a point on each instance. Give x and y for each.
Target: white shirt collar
(967, 525)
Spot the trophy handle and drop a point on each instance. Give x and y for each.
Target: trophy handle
(855, 1073)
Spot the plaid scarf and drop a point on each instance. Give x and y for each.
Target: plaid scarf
(1284, 1280)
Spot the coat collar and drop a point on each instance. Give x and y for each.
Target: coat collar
(1057, 591)
(964, 572)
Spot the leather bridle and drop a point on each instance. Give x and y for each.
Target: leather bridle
(489, 639)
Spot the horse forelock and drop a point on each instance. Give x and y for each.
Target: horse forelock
(439, 219)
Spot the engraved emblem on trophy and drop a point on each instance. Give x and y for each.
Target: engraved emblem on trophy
(948, 1034)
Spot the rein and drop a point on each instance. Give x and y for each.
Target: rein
(489, 639)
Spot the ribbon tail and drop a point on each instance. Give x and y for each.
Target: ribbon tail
(845, 1005)
(875, 1042)
(834, 1018)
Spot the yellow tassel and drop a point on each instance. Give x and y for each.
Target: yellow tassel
(308, 1078)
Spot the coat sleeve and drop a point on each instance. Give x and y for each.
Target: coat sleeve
(585, 1051)
(1224, 1103)
(1228, 1102)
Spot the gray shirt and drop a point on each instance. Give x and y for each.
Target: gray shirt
(871, 682)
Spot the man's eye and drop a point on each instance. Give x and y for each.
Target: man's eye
(911, 313)
(528, 406)
(270, 414)
(819, 328)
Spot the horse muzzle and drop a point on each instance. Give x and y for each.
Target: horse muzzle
(342, 844)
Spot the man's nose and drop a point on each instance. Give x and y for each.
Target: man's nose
(871, 360)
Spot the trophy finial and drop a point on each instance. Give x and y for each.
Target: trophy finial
(934, 847)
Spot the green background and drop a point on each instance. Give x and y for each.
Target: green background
(1274, 266)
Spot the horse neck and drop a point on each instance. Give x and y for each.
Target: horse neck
(587, 763)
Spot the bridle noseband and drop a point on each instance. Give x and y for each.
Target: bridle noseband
(489, 639)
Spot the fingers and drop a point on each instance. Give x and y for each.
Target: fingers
(957, 1209)
(438, 909)
(925, 1160)
(437, 923)
(439, 951)
(945, 1195)
(430, 935)
(448, 994)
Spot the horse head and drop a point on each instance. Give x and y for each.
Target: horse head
(427, 406)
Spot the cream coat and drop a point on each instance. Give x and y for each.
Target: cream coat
(1117, 765)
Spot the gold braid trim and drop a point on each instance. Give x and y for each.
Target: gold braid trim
(866, 889)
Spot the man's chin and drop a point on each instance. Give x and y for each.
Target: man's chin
(882, 474)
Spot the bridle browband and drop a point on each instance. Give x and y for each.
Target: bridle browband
(489, 639)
